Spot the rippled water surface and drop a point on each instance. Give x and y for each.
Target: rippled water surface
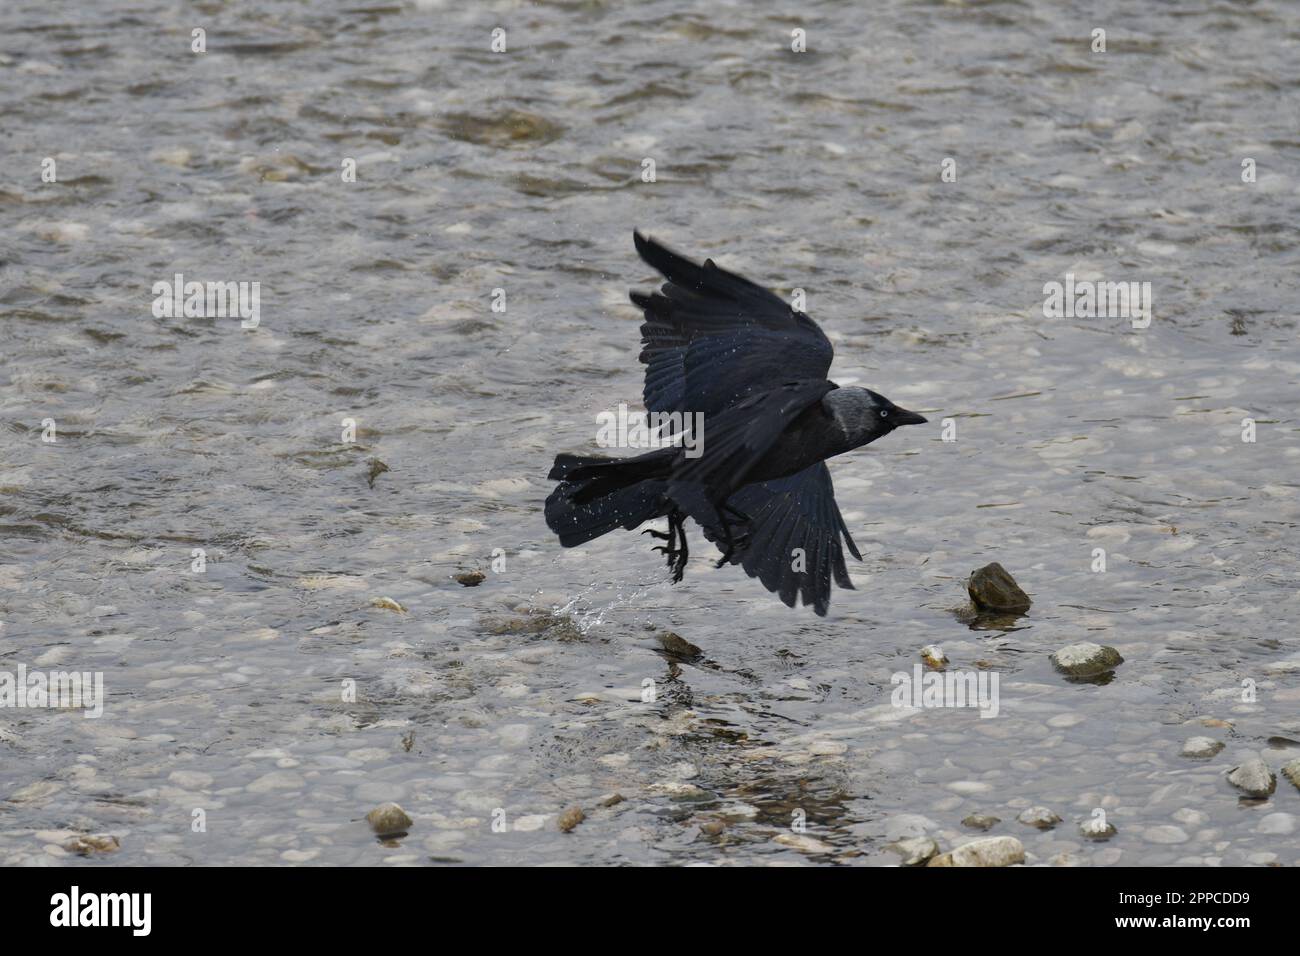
(522, 697)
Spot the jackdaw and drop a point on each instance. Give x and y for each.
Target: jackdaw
(755, 369)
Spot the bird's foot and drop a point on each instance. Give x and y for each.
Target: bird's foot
(739, 543)
(661, 535)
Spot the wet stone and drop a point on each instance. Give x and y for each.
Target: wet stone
(915, 851)
(1292, 771)
(1097, 828)
(933, 657)
(1253, 778)
(388, 819)
(992, 588)
(570, 818)
(1201, 747)
(1086, 659)
(90, 844)
(986, 851)
(981, 821)
(677, 645)
(1040, 818)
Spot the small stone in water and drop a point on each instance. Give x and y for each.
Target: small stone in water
(388, 819)
(90, 843)
(1086, 659)
(377, 468)
(991, 588)
(934, 657)
(1292, 771)
(1254, 778)
(1201, 747)
(986, 851)
(613, 800)
(713, 827)
(678, 645)
(1039, 817)
(1097, 828)
(805, 844)
(981, 821)
(471, 579)
(570, 818)
(387, 604)
(915, 851)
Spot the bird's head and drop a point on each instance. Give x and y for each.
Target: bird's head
(866, 415)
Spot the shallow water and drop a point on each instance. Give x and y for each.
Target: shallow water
(522, 171)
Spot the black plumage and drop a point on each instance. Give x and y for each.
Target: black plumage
(716, 344)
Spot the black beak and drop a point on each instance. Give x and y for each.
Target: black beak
(902, 416)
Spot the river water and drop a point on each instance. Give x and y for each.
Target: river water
(255, 709)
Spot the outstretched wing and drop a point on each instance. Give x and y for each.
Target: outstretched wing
(711, 337)
(736, 439)
(793, 523)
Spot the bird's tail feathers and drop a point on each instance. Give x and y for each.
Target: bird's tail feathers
(597, 495)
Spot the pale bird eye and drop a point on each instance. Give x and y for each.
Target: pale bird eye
(884, 413)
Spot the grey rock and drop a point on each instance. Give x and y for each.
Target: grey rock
(915, 851)
(1086, 659)
(1039, 817)
(1165, 834)
(986, 851)
(981, 821)
(1292, 771)
(1253, 778)
(903, 826)
(992, 588)
(1201, 747)
(1097, 828)
(1279, 823)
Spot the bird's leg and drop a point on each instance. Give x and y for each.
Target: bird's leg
(676, 551)
(731, 541)
(679, 569)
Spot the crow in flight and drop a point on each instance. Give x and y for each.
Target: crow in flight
(717, 344)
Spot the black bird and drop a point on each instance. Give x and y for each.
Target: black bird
(716, 343)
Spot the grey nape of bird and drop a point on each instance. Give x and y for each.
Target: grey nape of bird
(716, 344)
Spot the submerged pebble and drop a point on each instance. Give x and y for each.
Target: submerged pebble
(915, 851)
(91, 843)
(803, 843)
(1201, 747)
